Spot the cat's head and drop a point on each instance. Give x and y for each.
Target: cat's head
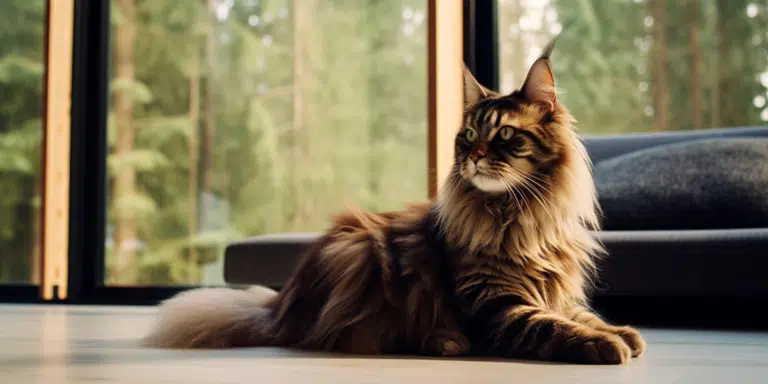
(524, 145)
(508, 141)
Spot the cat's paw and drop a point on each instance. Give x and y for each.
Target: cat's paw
(452, 348)
(602, 348)
(449, 344)
(633, 339)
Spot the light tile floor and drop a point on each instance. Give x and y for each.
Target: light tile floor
(68, 344)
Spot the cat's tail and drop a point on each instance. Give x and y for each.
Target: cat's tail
(213, 318)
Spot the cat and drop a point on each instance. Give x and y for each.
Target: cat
(499, 264)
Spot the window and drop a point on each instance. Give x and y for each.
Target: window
(235, 118)
(21, 91)
(644, 65)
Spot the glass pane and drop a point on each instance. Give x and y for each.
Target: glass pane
(645, 65)
(22, 26)
(235, 118)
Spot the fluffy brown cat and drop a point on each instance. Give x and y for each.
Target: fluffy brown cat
(498, 265)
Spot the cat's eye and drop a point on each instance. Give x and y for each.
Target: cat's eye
(470, 135)
(506, 133)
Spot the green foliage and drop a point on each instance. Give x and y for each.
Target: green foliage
(19, 69)
(600, 66)
(603, 62)
(137, 92)
(363, 99)
(21, 99)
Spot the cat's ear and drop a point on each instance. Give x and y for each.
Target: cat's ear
(473, 91)
(539, 85)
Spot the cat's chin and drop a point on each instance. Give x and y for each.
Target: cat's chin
(488, 184)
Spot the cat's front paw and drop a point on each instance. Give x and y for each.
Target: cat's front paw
(603, 348)
(633, 339)
(453, 348)
(449, 344)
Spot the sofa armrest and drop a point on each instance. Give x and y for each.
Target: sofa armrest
(640, 263)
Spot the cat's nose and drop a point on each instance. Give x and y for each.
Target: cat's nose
(476, 156)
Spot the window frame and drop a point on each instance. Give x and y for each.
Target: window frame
(53, 258)
(90, 82)
(20, 293)
(481, 41)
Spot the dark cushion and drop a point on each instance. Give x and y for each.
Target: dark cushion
(702, 184)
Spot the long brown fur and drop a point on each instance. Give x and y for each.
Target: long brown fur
(499, 264)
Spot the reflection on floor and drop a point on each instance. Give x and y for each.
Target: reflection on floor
(58, 344)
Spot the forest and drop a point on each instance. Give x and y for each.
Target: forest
(236, 118)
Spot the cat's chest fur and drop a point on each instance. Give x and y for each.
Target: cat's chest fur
(515, 258)
(480, 277)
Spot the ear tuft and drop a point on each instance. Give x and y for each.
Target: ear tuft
(473, 91)
(539, 85)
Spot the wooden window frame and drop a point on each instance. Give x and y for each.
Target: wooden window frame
(59, 35)
(445, 86)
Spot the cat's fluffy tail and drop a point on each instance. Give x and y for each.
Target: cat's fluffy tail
(212, 318)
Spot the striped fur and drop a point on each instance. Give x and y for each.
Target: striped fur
(499, 264)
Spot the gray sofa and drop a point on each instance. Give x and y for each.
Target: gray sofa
(729, 261)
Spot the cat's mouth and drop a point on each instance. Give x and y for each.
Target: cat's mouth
(487, 183)
(483, 180)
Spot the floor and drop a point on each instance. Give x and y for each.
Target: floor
(58, 344)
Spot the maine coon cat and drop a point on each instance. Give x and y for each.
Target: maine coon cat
(498, 265)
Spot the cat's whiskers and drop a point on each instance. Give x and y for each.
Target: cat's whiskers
(516, 182)
(452, 185)
(542, 188)
(528, 208)
(545, 203)
(455, 180)
(512, 190)
(534, 193)
(540, 179)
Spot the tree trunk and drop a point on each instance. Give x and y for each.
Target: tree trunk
(208, 124)
(696, 57)
(125, 184)
(194, 148)
(382, 20)
(37, 240)
(724, 67)
(514, 63)
(714, 93)
(659, 66)
(302, 16)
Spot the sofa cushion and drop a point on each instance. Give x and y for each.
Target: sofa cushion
(702, 184)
